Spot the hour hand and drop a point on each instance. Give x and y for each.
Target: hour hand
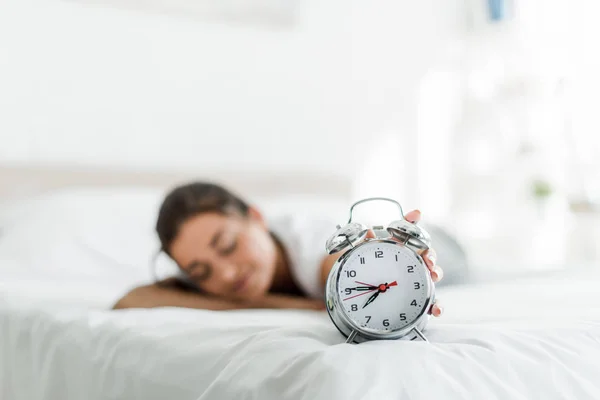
(371, 299)
(363, 288)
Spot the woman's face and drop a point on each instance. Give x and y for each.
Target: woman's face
(227, 256)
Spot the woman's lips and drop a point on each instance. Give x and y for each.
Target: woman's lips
(242, 283)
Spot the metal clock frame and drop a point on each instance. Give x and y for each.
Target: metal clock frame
(352, 331)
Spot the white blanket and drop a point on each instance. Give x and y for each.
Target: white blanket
(524, 339)
(66, 258)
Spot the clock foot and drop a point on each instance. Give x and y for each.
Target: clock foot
(351, 337)
(418, 332)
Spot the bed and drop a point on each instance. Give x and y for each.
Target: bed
(528, 337)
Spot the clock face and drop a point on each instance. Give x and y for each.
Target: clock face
(383, 287)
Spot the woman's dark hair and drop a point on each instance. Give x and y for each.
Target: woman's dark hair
(189, 200)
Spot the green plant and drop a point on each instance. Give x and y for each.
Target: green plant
(541, 189)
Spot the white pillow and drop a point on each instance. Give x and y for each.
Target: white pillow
(106, 233)
(82, 233)
(55, 244)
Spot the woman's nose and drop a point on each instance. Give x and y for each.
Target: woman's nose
(229, 272)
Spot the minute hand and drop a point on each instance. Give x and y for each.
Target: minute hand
(363, 288)
(371, 299)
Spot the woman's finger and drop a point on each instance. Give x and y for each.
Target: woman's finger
(437, 274)
(430, 258)
(436, 310)
(413, 216)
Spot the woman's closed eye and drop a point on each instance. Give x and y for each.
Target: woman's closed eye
(198, 271)
(231, 248)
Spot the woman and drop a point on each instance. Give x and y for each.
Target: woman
(231, 257)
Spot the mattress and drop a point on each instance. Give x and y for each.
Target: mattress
(521, 339)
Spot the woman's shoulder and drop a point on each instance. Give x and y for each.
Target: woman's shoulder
(307, 222)
(303, 235)
(307, 231)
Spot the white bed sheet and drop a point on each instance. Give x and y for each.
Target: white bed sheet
(525, 339)
(66, 258)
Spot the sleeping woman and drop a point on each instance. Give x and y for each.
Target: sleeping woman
(231, 256)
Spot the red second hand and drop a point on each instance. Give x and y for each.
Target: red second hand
(356, 295)
(368, 284)
(372, 290)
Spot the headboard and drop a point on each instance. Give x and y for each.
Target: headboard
(26, 180)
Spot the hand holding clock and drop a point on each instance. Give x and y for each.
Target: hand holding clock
(396, 264)
(429, 256)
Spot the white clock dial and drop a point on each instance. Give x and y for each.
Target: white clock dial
(383, 287)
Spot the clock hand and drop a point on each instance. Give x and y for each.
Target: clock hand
(368, 289)
(371, 299)
(385, 286)
(368, 284)
(374, 286)
(362, 288)
(360, 294)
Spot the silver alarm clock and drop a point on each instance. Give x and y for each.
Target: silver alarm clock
(380, 288)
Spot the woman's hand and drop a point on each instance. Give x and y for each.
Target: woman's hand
(430, 258)
(428, 255)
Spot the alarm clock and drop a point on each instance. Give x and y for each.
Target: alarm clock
(379, 288)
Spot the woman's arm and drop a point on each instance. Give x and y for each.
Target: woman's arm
(170, 293)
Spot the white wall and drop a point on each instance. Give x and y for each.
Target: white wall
(101, 86)
(374, 90)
